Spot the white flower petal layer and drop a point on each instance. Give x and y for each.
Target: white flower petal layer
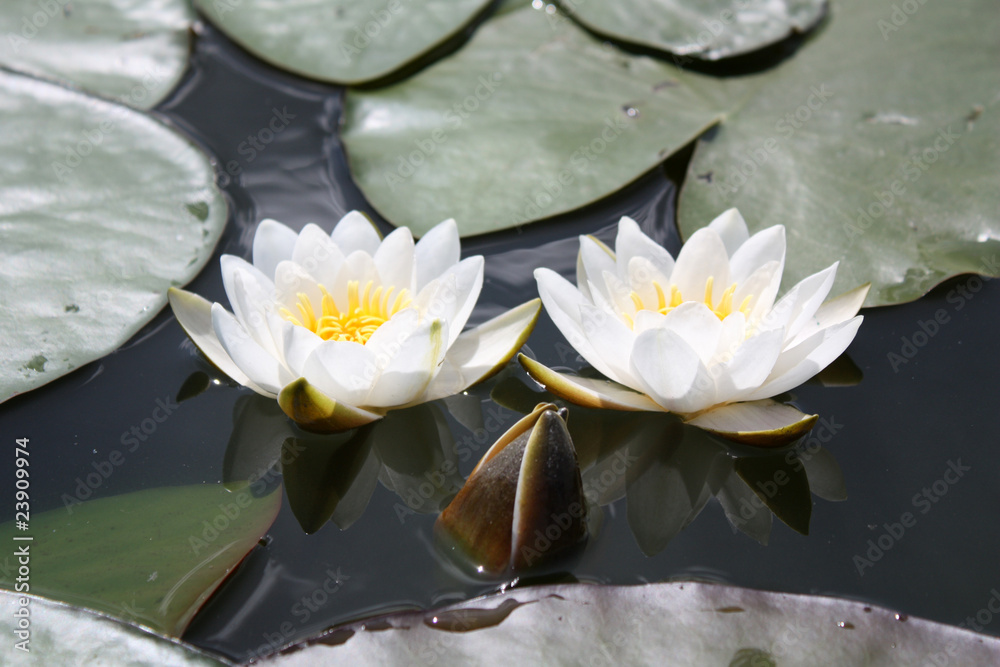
(481, 352)
(273, 242)
(437, 251)
(195, 315)
(262, 368)
(342, 327)
(698, 335)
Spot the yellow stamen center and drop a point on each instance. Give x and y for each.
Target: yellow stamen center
(665, 304)
(364, 314)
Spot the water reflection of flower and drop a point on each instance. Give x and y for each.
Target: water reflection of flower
(703, 336)
(668, 472)
(331, 477)
(343, 327)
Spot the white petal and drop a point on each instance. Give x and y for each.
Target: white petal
(298, 343)
(646, 320)
(798, 364)
(394, 259)
(480, 352)
(765, 246)
(436, 251)
(262, 368)
(612, 339)
(317, 254)
(800, 303)
(273, 242)
(387, 339)
(229, 264)
(619, 293)
(632, 243)
(592, 261)
(671, 372)
(702, 257)
(195, 315)
(407, 374)
(762, 423)
(451, 296)
(698, 326)
(808, 304)
(358, 267)
(356, 232)
(343, 370)
(749, 367)
(562, 303)
(731, 337)
(250, 306)
(643, 277)
(732, 229)
(834, 311)
(588, 392)
(290, 280)
(762, 287)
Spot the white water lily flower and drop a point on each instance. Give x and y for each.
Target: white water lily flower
(343, 327)
(701, 336)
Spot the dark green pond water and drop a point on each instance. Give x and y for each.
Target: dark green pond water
(918, 437)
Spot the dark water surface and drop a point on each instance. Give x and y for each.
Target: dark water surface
(896, 434)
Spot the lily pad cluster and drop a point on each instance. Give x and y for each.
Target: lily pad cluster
(851, 157)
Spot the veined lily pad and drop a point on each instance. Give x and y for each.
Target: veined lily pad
(533, 118)
(150, 557)
(135, 52)
(341, 41)
(102, 209)
(695, 28)
(682, 623)
(878, 146)
(69, 636)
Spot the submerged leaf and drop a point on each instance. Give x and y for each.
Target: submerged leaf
(875, 146)
(150, 557)
(94, 227)
(564, 118)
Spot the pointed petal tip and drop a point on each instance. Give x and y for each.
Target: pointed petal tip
(587, 392)
(314, 411)
(763, 423)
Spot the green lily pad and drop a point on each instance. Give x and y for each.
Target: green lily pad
(877, 145)
(341, 41)
(135, 52)
(102, 209)
(534, 117)
(682, 623)
(150, 557)
(695, 28)
(64, 635)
